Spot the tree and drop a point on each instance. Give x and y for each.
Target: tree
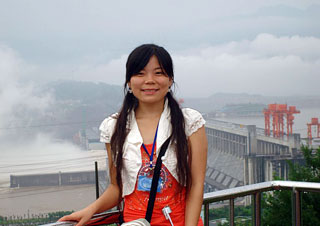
(277, 209)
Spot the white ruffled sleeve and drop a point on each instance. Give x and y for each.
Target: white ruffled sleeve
(107, 127)
(193, 120)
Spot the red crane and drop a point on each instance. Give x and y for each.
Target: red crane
(278, 111)
(314, 122)
(290, 118)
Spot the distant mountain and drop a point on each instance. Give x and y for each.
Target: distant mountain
(110, 97)
(81, 105)
(88, 93)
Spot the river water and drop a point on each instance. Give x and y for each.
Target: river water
(39, 156)
(65, 158)
(45, 155)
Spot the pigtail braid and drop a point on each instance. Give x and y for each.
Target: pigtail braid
(179, 136)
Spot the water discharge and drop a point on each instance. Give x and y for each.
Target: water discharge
(45, 155)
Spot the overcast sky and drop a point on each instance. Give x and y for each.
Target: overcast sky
(258, 47)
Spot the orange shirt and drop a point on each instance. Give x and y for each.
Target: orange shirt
(169, 194)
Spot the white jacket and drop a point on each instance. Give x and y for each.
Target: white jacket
(131, 149)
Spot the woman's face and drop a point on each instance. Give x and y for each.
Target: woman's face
(151, 84)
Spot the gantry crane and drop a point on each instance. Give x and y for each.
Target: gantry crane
(278, 112)
(314, 122)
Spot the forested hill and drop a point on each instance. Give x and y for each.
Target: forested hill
(94, 94)
(80, 104)
(85, 92)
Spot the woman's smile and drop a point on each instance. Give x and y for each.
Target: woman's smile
(149, 91)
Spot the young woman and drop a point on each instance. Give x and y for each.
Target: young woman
(133, 137)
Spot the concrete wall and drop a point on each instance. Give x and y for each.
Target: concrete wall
(55, 179)
(246, 155)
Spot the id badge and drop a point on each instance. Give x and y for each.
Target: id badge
(144, 183)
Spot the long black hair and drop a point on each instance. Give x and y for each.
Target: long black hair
(137, 60)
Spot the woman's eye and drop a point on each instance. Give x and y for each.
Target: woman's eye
(139, 73)
(159, 73)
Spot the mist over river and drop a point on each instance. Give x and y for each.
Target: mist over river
(52, 158)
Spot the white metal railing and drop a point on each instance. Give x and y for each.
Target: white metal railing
(255, 190)
(230, 194)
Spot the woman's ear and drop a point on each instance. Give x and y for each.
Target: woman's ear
(170, 82)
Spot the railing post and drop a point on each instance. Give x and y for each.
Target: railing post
(206, 214)
(296, 207)
(257, 209)
(231, 214)
(97, 179)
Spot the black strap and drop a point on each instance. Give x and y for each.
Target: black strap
(155, 180)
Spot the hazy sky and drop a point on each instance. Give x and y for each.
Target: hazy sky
(259, 47)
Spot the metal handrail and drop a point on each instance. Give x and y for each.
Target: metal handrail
(230, 194)
(255, 190)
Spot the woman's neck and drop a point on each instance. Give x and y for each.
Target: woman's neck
(149, 110)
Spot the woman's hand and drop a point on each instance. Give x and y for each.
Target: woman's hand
(82, 216)
(107, 200)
